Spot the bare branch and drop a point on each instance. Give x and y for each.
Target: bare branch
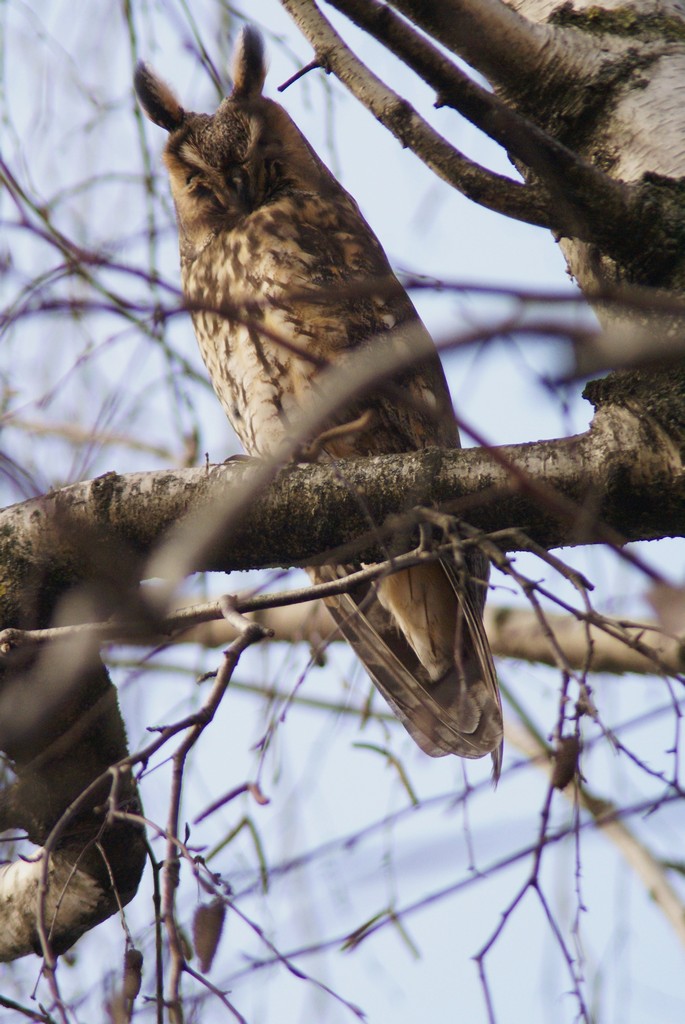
(500, 43)
(588, 203)
(651, 871)
(494, 191)
(512, 632)
(561, 492)
(248, 633)
(179, 622)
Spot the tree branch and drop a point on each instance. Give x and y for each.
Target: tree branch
(494, 191)
(512, 632)
(62, 746)
(622, 481)
(608, 817)
(502, 44)
(589, 204)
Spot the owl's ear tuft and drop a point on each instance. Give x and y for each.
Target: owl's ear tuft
(249, 65)
(157, 99)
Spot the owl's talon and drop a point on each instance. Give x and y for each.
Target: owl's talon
(310, 452)
(306, 452)
(239, 457)
(425, 538)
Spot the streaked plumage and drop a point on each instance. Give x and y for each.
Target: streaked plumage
(261, 223)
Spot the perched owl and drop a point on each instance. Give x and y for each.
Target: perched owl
(268, 234)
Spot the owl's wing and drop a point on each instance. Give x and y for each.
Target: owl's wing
(461, 714)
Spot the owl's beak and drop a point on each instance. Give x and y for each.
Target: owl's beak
(238, 183)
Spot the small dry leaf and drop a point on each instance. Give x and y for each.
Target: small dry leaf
(565, 761)
(186, 947)
(256, 794)
(207, 926)
(133, 973)
(669, 604)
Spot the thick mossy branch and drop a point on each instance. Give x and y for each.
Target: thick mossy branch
(61, 728)
(60, 741)
(661, 391)
(621, 481)
(623, 21)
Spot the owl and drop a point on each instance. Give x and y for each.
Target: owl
(284, 277)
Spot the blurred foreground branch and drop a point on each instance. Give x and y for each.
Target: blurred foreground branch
(513, 633)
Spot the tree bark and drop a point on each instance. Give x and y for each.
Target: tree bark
(622, 481)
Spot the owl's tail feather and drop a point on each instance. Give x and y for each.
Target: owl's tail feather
(460, 713)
